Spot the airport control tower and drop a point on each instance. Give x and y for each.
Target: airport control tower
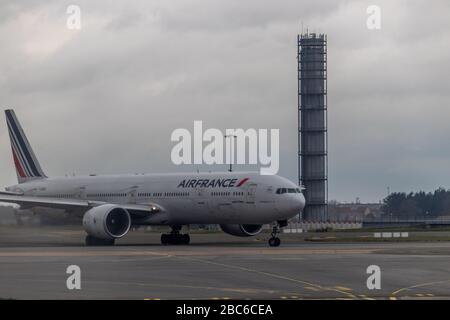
(312, 124)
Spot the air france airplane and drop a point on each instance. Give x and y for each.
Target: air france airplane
(240, 202)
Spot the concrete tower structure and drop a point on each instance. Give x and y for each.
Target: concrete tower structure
(312, 124)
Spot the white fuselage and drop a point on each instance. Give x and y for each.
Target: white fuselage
(188, 198)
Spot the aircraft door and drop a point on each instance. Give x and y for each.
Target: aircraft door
(250, 193)
(132, 194)
(82, 192)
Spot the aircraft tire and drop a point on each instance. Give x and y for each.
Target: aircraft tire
(274, 242)
(164, 239)
(175, 239)
(186, 239)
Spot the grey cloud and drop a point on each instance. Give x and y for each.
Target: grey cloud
(107, 98)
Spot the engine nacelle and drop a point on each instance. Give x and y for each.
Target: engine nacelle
(107, 221)
(242, 230)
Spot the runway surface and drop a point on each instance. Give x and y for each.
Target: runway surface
(33, 265)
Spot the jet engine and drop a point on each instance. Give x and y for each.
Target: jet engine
(107, 221)
(241, 230)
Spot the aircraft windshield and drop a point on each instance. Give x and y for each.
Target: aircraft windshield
(287, 190)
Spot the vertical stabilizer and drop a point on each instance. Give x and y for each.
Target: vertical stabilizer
(27, 165)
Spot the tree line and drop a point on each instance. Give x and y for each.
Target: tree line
(417, 205)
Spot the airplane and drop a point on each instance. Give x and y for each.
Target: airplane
(109, 205)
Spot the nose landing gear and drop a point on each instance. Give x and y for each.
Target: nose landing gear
(175, 237)
(274, 241)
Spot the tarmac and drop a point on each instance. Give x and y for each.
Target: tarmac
(33, 264)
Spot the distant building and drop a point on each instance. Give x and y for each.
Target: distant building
(354, 211)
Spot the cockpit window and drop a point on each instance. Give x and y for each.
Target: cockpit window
(287, 190)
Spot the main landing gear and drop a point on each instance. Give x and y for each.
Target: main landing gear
(175, 237)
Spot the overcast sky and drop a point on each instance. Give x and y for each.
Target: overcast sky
(105, 99)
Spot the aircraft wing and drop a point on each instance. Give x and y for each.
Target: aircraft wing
(9, 193)
(135, 210)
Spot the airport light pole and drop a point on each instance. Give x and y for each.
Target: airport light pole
(231, 150)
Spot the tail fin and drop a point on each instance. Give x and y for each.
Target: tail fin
(27, 165)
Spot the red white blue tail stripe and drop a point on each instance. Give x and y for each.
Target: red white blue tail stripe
(27, 166)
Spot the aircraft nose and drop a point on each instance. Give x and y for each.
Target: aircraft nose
(297, 203)
(300, 202)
